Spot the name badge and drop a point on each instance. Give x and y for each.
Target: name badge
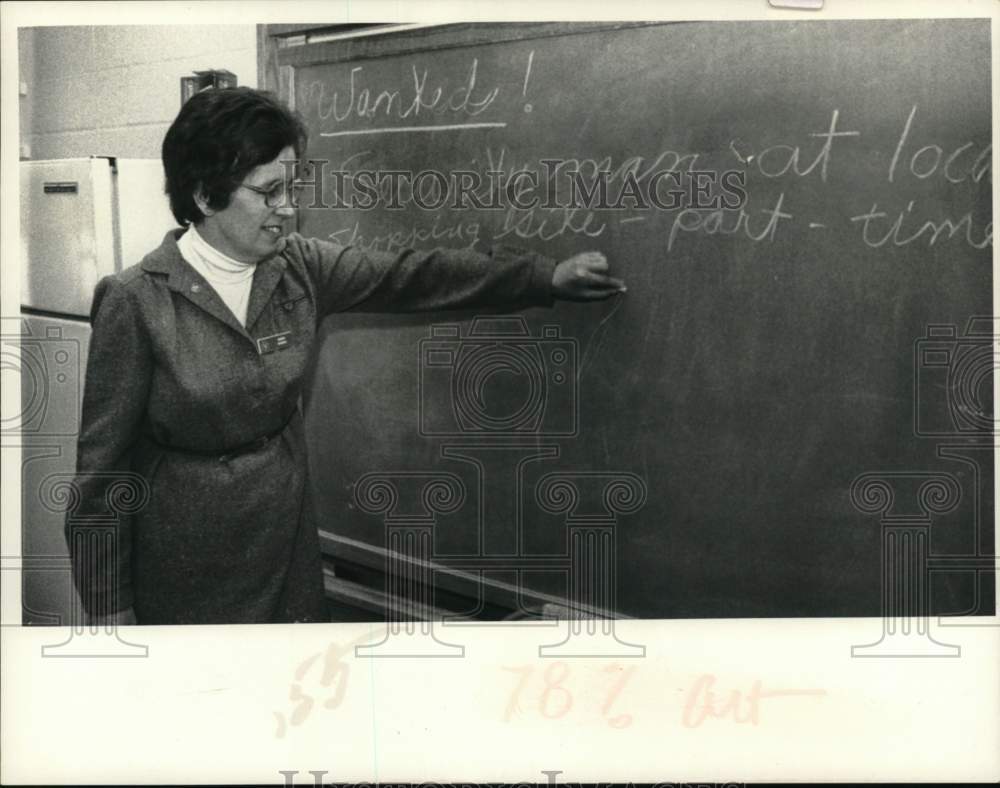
(274, 342)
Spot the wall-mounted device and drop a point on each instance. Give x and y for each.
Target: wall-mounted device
(213, 78)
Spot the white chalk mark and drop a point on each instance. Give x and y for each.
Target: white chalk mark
(403, 129)
(597, 338)
(527, 73)
(736, 153)
(633, 219)
(816, 224)
(902, 141)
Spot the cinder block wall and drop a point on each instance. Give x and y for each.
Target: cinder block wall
(113, 90)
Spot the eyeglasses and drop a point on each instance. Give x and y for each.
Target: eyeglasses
(277, 194)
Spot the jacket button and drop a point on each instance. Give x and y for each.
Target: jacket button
(196, 288)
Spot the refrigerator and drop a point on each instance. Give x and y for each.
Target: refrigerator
(81, 219)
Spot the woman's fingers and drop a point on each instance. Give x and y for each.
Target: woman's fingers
(594, 279)
(593, 261)
(602, 281)
(584, 277)
(591, 291)
(598, 294)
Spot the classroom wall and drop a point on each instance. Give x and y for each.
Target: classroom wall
(113, 90)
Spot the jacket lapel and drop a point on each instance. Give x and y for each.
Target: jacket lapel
(265, 279)
(184, 280)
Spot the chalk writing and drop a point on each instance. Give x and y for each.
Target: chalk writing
(958, 165)
(527, 76)
(639, 168)
(927, 161)
(545, 224)
(691, 220)
(552, 216)
(778, 160)
(413, 129)
(928, 231)
(461, 234)
(355, 100)
(558, 172)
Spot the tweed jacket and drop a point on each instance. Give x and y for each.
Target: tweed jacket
(207, 413)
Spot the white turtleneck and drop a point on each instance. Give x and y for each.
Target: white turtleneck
(230, 278)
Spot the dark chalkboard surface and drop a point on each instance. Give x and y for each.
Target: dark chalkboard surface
(714, 424)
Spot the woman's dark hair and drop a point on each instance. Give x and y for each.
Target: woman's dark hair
(219, 136)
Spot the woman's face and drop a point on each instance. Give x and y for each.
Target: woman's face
(248, 229)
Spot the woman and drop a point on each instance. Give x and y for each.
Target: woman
(196, 365)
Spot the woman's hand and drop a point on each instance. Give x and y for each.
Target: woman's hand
(123, 618)
(584, 277)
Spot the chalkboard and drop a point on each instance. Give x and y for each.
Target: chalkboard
(786, 387)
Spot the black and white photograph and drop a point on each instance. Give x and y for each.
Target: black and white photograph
(516, 377)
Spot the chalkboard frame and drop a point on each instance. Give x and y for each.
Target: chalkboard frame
(285, 48)
(287, 51)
